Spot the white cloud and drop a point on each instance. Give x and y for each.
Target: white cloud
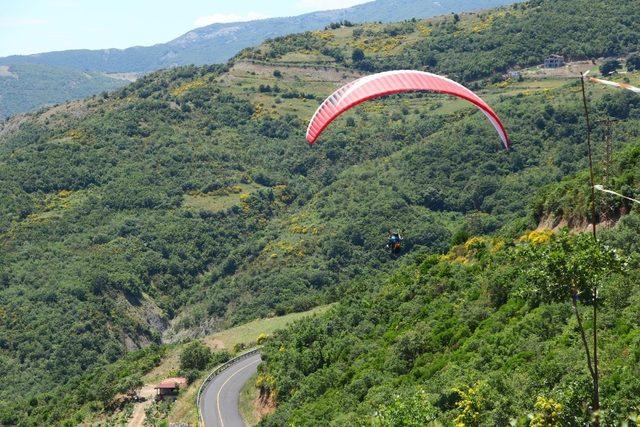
(328, 4)
(21, 22)
(218, 18)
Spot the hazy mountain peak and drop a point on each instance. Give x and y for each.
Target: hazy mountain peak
(214, 43)
(218, 42)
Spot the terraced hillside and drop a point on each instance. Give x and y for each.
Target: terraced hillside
(52, 77)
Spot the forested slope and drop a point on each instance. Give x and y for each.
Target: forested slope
(25, 87)
(464, 338)
(471, 47)
(188, 200)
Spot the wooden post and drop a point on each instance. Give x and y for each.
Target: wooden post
(596, 380)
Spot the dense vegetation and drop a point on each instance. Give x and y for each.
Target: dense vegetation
(569, 200)
(97, 389)
(25, 87)
(196, 357)
(481, 46)
(468, 337)
(188, 201)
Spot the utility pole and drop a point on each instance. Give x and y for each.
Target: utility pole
(608, 146)
(608, 134)
(596, 380)
(589, 146)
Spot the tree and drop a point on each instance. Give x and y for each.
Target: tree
(633, 62)
(407, 411)
(548, 413)
(358, 55)
(195, 356)
(131, 383)
(610, 66)
(471, 405)
(365, 65)
(573, 266)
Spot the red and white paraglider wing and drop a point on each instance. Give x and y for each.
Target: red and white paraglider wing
(392, 82)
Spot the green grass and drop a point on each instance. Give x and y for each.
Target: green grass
(248, 395)
(248, 333)
(306, 58)
(220, 200)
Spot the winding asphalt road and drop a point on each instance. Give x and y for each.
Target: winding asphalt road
(219, 402)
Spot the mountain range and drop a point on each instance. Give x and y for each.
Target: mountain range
(217, 43)
(211, 44)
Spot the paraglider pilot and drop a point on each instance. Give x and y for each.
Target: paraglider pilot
(394, 243)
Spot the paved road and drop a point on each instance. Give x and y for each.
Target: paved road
(219, 403)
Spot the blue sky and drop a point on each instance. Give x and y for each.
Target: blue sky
(32, 26)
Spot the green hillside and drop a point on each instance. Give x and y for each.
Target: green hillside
(459, 338)
(470, 47)
(25, 87)
(188, 201)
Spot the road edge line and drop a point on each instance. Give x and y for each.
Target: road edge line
(216, 371)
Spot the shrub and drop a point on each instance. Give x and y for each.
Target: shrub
(633, 62)
(195, 356)
(609, 67)
(358, 55)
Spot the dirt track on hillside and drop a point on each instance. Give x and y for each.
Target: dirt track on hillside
(308, 73)
(137, 418)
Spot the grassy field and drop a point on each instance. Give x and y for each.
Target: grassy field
(248, 333)
(222, 199)
(306, 58)
(184, 409)
(244, 79)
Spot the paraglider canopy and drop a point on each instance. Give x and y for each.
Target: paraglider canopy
(393, 82)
